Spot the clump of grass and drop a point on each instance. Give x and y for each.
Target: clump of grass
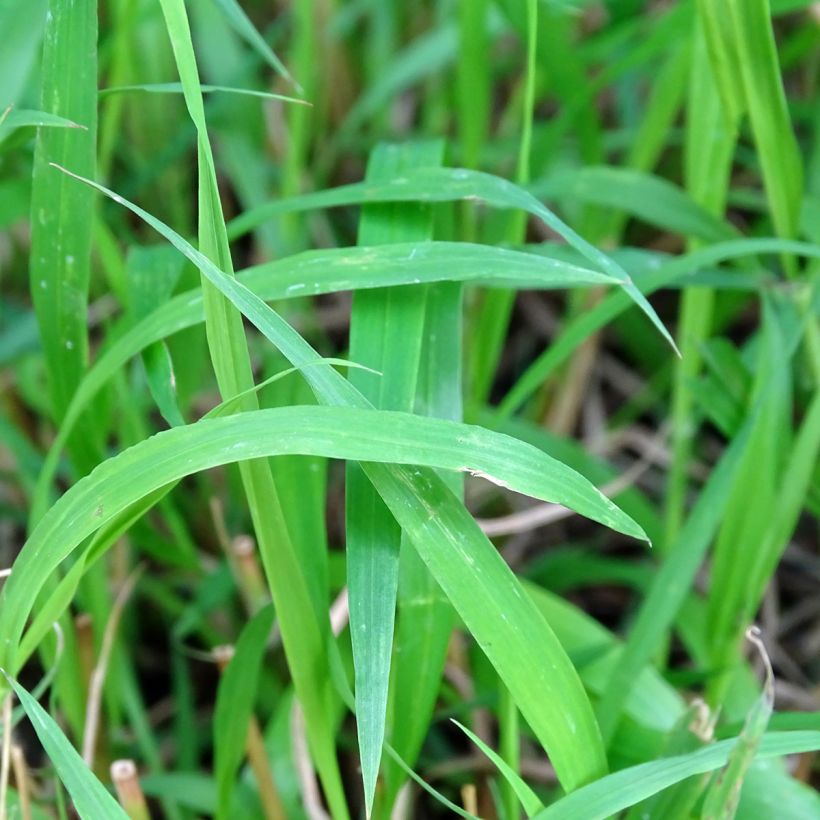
(185, 371)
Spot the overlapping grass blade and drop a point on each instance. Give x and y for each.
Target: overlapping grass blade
(426, 618)
(459, 556)
(614, 304)
(386, 332)
(331, 271)
(450, 184)
(622, 789)
(305, 630)
(669, 587)
(650, 198)
(369, 435)
(316, 272)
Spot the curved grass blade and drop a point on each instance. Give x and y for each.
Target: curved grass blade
(13, 118)
(526, 796)
(176, 88)
(650, 198)
(235, 15)
(353, 433)
(616, 303)
(623, 789)
(315, 272)
(448, 185)
(331, 271)
(506, 625)
(89, 796)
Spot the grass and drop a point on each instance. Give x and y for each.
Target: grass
(536, 208)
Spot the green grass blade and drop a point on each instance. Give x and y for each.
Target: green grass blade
(615, 304)
(647, 197)
(88, 795)
(571, 734)
(234, 705)
(304, 629)
(426, 617)
(777, 149)
(176, 88)
(316, 272)
(386, 331)
(448, 185)
(618, 791)
(370, 435)
(526, 796)
(673, 581)
(239, 21)
(22, 117)
(61, 215)
(709, 148)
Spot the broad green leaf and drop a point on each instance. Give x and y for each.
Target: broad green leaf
(88, 795)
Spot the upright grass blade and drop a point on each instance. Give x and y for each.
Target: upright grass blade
(386, 332)
(425, 616)
(88, 795)
(62, 215)
(777, 148)
(234, 705)
(674, 579)
(723, 795)
(482, 588)
(304, 630)
(752, 499)
(493, 316)
(711, 135)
